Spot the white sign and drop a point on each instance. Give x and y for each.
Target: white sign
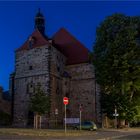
(116, 114)
(56, 111)
(72, 120)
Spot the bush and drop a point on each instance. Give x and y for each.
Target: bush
(5, 119)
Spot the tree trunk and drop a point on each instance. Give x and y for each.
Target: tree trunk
(40, 119)
(36, 121)
(123, 87)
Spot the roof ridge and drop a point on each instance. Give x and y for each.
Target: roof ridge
(63, 29)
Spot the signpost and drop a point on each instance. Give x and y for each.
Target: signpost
(80, 109)
(56, 113)
(116, 115)
(65, 101)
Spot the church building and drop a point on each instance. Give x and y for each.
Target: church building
(61, 65)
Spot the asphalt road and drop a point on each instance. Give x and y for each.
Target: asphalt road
(130, 137)
(99, 135)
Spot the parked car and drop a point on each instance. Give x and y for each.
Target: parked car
(87, 125)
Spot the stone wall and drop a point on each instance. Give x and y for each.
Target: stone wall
(32, 68)
(5, 106)
(47, 66)
(81, 89)
(57, 65)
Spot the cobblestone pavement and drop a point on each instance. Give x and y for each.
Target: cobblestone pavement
(99, 135)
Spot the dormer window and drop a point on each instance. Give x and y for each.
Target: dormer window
(30, 67)
(31, 41)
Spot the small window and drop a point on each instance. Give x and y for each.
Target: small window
(30, 44)
(58, 68)
(30, 88)
(31, 41)
(30, 67)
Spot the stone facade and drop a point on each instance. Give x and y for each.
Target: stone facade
(82, 91)
(31, 69)
(57, 68)
(44, 62)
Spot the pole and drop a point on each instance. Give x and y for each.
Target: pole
(55, 121)
(115, 117)
(80, 118)
(115, 121)
(80, 109)
(65, 119)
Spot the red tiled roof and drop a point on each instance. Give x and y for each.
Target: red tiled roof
(74, 51)
(39, 40)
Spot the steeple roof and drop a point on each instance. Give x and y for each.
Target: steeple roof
(62, 40)
(39, 14)
(40, 22)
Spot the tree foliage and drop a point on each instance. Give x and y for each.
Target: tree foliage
(40, 102)
(117, 63)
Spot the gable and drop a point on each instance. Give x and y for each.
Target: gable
(36, 39)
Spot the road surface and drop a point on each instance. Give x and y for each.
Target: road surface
(99, 135)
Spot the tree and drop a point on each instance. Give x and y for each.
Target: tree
(117, 64)
(39, 104)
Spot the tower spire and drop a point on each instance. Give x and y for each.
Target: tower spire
(40, 22)
(38, 10)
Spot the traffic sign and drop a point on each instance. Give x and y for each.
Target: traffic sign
(65, 100)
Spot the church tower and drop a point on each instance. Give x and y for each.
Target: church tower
(40, 22)
(62, 69)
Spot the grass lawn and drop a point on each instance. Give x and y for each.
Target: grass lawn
(44, 132)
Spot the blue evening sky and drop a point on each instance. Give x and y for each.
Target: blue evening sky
(80, 18)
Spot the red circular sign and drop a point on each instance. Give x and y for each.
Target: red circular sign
(65, 100)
